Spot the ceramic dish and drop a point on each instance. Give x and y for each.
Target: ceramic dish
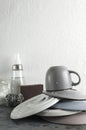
(66, 94)
(71, 105)
(56, 112)
(33, 106)
(77, 119)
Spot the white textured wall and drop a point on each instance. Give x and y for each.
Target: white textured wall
(45, 33)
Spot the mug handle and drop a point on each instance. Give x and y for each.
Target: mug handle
(74, 84)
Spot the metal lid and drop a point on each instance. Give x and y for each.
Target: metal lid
(17, 67)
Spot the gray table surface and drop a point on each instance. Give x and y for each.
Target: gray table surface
(30, 123)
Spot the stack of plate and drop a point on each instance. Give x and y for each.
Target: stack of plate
(66, 112)
(52, 109)
(71, 100)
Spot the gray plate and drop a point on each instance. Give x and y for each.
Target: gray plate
(71, 105)
(67, 94)
(77, 119)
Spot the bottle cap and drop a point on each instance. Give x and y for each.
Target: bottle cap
(17, 63)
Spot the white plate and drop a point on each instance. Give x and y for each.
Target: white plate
(33, 106)
(67, 94)
(56, 112)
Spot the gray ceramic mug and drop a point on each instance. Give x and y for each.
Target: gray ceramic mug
(59, 78)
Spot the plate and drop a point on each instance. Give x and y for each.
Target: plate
(67, 94)
(56, 112)
(33, 106)
(77, 119)
(71, 105)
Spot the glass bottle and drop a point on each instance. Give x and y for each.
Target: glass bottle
(17, 79)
